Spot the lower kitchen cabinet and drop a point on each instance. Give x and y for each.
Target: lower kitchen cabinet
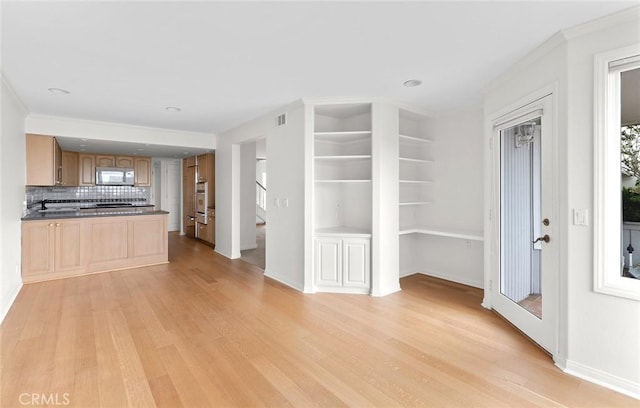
(55, 246)
(61, 248)
(342, 264)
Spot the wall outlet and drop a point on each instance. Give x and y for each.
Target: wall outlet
(285, 202)
(276, 202)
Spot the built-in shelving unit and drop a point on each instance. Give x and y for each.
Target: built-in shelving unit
(342, 194)
(415, 163)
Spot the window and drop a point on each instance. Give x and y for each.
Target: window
(617, 173)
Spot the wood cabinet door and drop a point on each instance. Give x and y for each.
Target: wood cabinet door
(202, 167)
(86, 169)
(41, 160)
(356, 262)
(124, 161)
(211, 227)
(328, 262)
(147, 236)
(70, 168)
(37, 248)
(57, 162)
(105, 161)
(142, 167)
(69, 245)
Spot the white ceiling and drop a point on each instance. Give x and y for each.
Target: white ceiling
(224, 63)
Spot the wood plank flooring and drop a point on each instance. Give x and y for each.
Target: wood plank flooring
(205, 331)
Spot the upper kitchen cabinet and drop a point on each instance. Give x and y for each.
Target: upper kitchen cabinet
(125, 161)
(105, 160)
(70, 168)
(142, 168)
(86, 169)
(44, 161)
(206, 172)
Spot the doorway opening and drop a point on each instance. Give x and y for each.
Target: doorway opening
(253, 176)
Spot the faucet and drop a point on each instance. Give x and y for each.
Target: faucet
(43, 204)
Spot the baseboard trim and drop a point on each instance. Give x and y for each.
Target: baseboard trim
(284, 281)
(386, 291)
(610, 381)
(11, 298)
(452, 278)
(248, 246)
(225, 253)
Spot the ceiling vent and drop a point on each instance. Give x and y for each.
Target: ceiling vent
(281, 120)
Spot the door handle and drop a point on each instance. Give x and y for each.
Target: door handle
(544, 238)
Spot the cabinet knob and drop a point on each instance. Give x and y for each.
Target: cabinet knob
(57, 224)
(51, 224)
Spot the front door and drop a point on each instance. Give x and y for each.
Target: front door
(524, 284)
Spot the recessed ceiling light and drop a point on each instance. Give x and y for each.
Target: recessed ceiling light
(139, 150)
(412, 82)
(83, 145)
(185, 152)
(84, 140)
(173, 109)
(59, 91)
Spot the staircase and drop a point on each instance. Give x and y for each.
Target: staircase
(261, 204)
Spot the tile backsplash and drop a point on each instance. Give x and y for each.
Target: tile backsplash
(34, 195)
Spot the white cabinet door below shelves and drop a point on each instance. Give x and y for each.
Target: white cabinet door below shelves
(328, 268)
(356, 258)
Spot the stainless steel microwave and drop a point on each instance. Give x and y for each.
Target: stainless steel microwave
(114, 176)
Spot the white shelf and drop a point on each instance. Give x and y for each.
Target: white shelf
(443, 233)
(415, 139)
(343, 231)
(416, 181)
(415, 203)
(344, 157)
(410, 160)
(343, 181)
(349, 136)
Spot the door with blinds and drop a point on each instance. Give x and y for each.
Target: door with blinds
(524, 286)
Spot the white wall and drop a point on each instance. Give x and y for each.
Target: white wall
(457, 203)
(604, 331)
(599, 335)
(248, 196)
(12, 180)
(285, 233)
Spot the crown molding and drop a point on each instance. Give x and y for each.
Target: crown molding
(6, 84)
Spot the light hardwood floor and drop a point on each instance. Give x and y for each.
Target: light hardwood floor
(204, 331)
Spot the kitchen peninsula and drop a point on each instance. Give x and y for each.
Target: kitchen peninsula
(76, 225)
(61, 244)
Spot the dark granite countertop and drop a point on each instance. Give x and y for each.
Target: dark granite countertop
(111, 212)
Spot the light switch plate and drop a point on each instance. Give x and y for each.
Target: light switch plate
(580, 216)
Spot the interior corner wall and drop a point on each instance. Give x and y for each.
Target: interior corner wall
(457, 203)
(286, 169)
(604, 330)
(248, 196)
(599, 334)
(12, 181)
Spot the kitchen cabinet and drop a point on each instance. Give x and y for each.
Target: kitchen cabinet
(197, 169)
(188, 196)
(142, 168)
(86, 169)
(105, 160)
(44, 161)
(124, 161)
(207, 232)
(52, 247)
(206, 172)
(342, 263)
(211, 225)
(60, 248)
(70, 168)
